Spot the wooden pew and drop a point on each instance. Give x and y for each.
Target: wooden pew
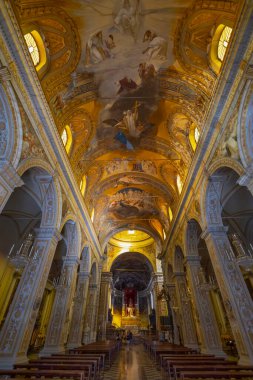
(178, 368)
(171, 363)
(189, 375)
(85, 367)
(69, 363)
(99, 357)
(73, 374)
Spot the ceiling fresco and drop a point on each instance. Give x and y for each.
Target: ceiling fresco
(133, 81)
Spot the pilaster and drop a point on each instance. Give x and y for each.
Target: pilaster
(187, 320)
(208, 329)
(80, 301)
(106, 279)
(18, 327)
(236, 297)
(59, 321)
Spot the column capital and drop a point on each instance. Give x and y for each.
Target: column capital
(48, 233)
(192, 260)
(5, 74)
(71, 260)
(214, 230)
(106, 277)
(178, 274)
(10, 175)
(84, 275)
(247, 179)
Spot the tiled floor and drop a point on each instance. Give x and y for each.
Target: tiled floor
(133, 363)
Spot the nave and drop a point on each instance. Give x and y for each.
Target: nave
(133, 362)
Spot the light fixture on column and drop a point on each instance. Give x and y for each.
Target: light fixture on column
(244, 257)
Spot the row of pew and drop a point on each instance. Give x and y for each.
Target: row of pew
(82, 363)
(182, 363)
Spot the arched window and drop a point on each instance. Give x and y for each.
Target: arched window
(92, 215)
(223, 42)
(170, 214)
(194, 135)
(218, 46)
(83, 185)
(66, 137)
(36, 48)
(179, 184)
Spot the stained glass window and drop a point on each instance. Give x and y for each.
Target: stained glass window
(223, 42)
(33, 48)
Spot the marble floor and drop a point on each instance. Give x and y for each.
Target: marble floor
(133, 363)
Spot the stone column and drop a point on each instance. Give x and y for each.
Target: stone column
(106, 279)
(56, 332)
(18, 327)
(157, 287)
(173, 306)
(9, 179)
(80, 302)
(187, 320)
(210, 338)
(236, 297)
(90, 317)
(247, 179)
(95, 309)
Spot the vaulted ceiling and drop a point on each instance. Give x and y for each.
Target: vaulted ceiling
(133, 80)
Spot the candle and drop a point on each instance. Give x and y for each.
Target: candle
(31, 251)
(10, 250)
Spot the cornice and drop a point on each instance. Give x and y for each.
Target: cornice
(24, 77)
(228, 89)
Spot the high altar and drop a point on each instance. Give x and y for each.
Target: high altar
(130, 309)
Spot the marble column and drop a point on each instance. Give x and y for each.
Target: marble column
(94, 324)
(208, 328)
(106, 279)
(173, 306)
(56, 333)
(80, 302)
(157, 288)
(236, 297)
(90, 317)
(187, 320)
(18, 327)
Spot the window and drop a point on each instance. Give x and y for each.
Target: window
(179, 184)
(170, 214)
(37, 49)
(66, 137)
(83, 185)
(92, 215)
(194, 135)
(223, 42)
(33, 48)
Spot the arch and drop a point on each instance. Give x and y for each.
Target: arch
(73, 235)
(50, 187)
(86, 257)
(245, 126)
(11, 134)
(220, 163)
(157, 238)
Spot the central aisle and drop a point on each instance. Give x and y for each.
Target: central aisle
(133, 363)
